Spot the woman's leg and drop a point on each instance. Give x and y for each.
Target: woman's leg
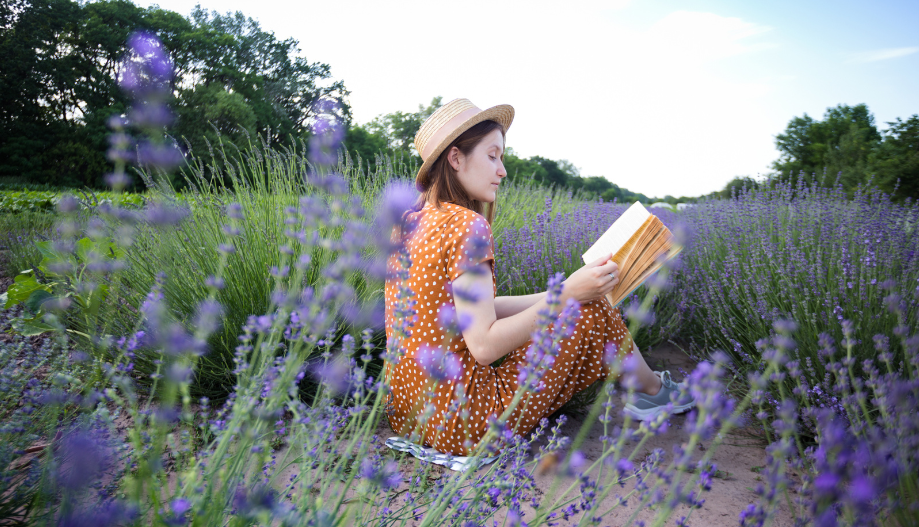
(648, 383)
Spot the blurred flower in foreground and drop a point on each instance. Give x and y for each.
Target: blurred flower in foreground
(147, 78)
(438, 364)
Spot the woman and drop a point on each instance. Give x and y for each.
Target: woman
(452, 267)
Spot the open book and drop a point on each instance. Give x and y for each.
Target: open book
(640, 244)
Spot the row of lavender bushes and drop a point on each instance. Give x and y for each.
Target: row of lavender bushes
(821, 287)
(803, 253)
(264, 456)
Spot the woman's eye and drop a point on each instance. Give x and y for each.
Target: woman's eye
(493, 158)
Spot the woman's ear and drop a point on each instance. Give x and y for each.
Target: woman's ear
(455, 158)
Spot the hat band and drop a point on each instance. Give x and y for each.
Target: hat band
(444, 131)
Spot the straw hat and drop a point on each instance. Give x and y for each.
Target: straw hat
(448, 123)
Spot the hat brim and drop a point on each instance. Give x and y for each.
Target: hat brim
(502, 114)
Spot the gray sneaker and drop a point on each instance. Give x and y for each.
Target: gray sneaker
(646, 407)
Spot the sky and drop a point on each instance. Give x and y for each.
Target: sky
(664, 98)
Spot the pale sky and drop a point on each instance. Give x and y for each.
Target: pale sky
(666, 97)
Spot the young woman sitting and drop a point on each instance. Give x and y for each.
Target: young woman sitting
(452, 263)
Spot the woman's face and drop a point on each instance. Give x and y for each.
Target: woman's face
(481, 171)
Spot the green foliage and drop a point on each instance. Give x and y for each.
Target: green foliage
(210, 112)
(18, 234)
(736, 186)
(846, 146)
(25, 371)
(366, 145)
(65, 277)
(15, 202)
(840, 141)
(59, 64)
(623, 195)
(264, 181)
(399, 128)
(391, 135)
(895, 161)
(245, 78)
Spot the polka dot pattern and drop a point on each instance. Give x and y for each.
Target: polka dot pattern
(451, 416)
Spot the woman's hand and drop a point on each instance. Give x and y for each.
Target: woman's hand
(591, 281)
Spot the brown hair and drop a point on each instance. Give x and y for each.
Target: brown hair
(443, 185)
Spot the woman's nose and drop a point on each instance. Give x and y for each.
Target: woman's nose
(501, 171)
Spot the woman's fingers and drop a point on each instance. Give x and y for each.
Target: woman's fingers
(609, 267)
(611, 285)
(600, 261)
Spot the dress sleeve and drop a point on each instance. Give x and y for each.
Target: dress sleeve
(468, 242)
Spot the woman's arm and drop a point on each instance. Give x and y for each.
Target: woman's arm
(506, 306)
(490, 338)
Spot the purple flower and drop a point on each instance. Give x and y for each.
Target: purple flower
(235, 211)
(249, 503)
(117, 180)
(207, 318)
(438, 364)
(216, 282)
(150, 49)
(396, 199)
(328, 133)
(165, 156)
(150, 115)
(334, 373)
(84, 457)
(164, 214)
(450, 321)
(180, 506)
(576, 462)
(386, 476)
(114, 512)
(179, 374)
(68, 204)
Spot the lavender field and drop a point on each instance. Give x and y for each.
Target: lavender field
(215, 359)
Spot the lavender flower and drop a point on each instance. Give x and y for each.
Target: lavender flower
(438, 364)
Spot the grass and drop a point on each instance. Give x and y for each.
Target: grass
(19, 232)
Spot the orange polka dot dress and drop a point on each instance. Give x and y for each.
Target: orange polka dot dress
(451, 414)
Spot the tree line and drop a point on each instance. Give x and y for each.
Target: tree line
(393, 134)
(60, 62)
(846, 148)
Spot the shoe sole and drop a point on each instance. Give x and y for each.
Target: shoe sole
(651, 413)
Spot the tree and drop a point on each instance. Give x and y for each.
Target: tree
(551, 174)
(33, 75)
(210, 112)
(519, 169)
(60, 62)
(595, 185)
(399, 128)
(365, 144)
(840, 142)
(735, 186)
(896, 160)
(281, 88)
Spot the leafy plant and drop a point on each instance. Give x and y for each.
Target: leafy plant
(65, 278)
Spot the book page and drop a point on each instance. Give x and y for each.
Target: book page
(618, 234)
